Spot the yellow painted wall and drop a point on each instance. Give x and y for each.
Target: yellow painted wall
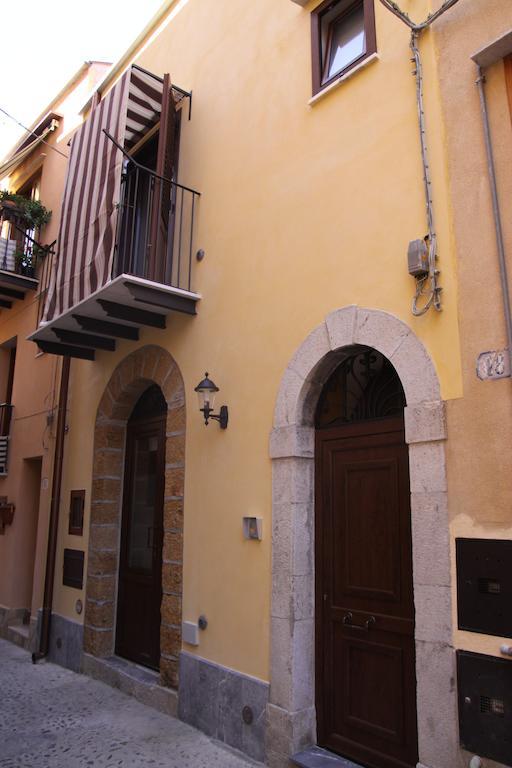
(304, 209)
(479, 446)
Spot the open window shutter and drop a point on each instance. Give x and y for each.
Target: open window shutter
(161, 219)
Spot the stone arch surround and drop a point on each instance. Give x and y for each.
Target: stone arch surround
(134, 374)
(291, 715)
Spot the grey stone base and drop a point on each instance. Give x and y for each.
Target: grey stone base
(66, 641)
(143, 684)
(10, 616)
(212, 698)
(316, 757)
(16, 626)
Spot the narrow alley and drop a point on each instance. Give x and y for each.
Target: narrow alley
(51, 717)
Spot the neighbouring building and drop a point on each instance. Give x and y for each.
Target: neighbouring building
(35, 170)
(297, 198)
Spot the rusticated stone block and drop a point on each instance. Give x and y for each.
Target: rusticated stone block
(105, 512)
(109, 436)
(169, 672)
(175, 450)
(98, 642)
(99, 614)
(101, 587)
(106, 488)
(173, 514)
(172, 576)
(174, 482)
(103, 536)
(126, 371)
(170, 610)
(173, 388)
(170, 641)
(173, 546)
(163, 369)
(151, 358)
(176, 419)
(102, 562)
(108, 461)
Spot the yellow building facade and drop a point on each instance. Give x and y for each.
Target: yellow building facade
(302, 560)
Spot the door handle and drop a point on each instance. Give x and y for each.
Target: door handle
(370, 622)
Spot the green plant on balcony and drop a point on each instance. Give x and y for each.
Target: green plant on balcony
(24, 263)
(32, 213)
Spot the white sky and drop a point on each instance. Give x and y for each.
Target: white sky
(44, 43)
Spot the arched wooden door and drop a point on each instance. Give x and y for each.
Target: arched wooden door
(365, 658)
(140, 566)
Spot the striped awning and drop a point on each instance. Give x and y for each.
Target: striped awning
(91, 196)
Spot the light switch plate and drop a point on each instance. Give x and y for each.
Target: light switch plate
(190, 632)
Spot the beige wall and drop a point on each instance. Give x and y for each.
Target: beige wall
(479, 454)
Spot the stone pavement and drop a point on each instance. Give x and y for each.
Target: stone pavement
(53, 718)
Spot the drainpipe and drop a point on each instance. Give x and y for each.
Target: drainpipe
(505, 292)
(53, 530)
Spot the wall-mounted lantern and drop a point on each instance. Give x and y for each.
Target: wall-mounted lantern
(206, 391)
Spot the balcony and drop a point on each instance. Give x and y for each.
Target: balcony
(131, 262)
(22, 258)
(5, 428)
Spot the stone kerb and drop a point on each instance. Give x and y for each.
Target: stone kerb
(144, 367)
(291, 711)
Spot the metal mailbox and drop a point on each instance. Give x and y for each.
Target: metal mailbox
(484, 586)
(485, 705)
(73, 570)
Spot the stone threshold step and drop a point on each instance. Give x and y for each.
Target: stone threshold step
(19, 634)
(317, 757)
(141, 683)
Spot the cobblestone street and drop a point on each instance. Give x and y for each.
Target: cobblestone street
(53, 718)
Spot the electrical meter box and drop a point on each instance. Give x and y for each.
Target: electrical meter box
(484, 586)
(485, 705)
(417, 258)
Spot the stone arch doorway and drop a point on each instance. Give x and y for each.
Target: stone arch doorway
(139, 586)
(365, 676)
(292, 717)
(148, 366)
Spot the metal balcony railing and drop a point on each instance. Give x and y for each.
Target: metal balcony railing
(5, 427)
(155, 231)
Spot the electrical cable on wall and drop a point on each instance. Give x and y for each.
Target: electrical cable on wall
(428, 290)
(32, 133)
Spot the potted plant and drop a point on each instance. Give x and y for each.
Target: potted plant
(31, 213)
(24, 264)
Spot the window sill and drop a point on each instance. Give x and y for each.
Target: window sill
(332, 87)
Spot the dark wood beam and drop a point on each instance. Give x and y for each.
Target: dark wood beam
(157, 298)
(84, 339)
(95, 325)
(18, 281)
(54, 348)
(11, 293)
(140, 316)
(4, 304)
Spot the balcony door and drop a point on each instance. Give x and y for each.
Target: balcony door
(140, 568)
(365, 666)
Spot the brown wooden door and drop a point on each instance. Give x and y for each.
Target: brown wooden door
(366, 680)
(140, 568)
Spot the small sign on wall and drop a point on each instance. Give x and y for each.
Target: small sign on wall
(493, 365)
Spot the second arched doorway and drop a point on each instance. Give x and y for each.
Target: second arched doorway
(140, 562)
(365, 650)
